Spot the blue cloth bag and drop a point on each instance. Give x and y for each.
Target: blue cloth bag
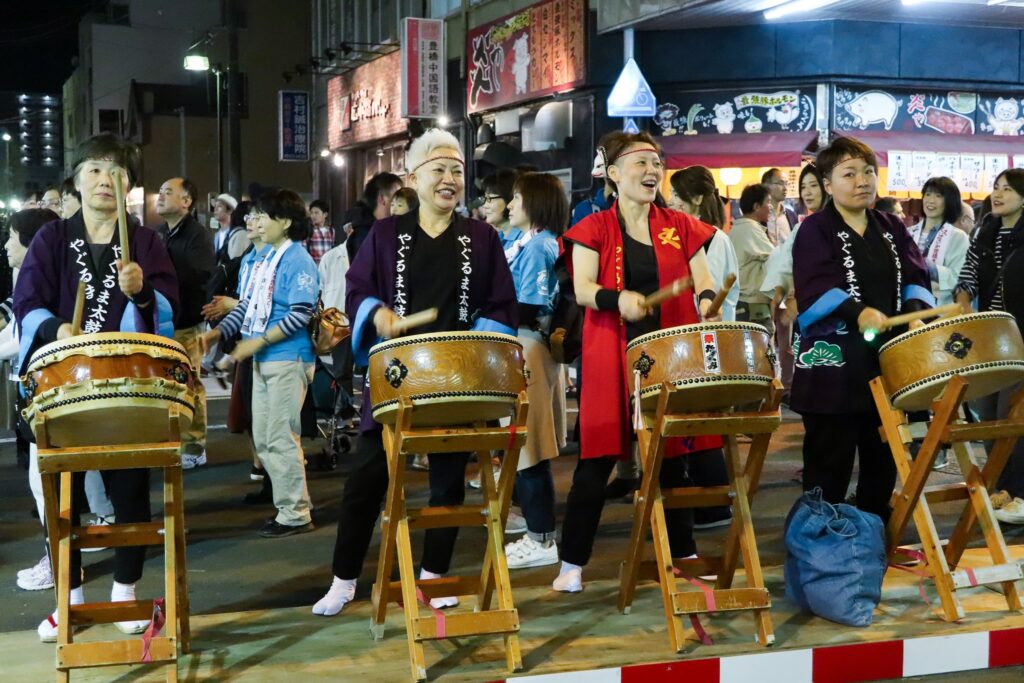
(835, 559)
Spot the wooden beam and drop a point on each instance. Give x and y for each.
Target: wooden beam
(946, 493)
(697, 496)
(982, 576)
(726, 600)
(982, 431)
(85, 458)
(116, 535)
(109, 612)
(705, 424)
(461, 624)
(458, 440)
(114, 652)
(441, 588)
(447, 516)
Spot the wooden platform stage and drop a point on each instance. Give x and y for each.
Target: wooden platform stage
(582, 639)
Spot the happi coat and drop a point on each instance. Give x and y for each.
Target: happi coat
(834, 362)
(605, 424)
(59, 257)
(378, 277)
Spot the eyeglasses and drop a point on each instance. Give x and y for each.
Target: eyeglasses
(252, 217)
(492, 198)
(51, 204)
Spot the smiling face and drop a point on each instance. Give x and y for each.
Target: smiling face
(494, 208)
(852, 184)
(638, 173)
(517, 213)
(15, 250)
(677, 203)
(95, 182)
(1005, 200)
(440, 182)
(272, 230)
(252, 226)
(811, 193)
(934, 205)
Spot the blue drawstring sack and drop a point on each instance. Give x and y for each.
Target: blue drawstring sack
(835, 559)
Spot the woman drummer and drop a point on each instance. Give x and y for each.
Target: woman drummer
(408, 264)
(853, 267)
(619, 256)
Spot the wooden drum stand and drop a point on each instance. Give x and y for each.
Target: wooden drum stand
(170, 533)
(914, 500)
(651, 502)
(400, 440)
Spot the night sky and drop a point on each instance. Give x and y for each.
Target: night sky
(38, 38)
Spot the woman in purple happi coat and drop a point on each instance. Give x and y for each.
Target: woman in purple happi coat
(141, 296)
(853, 267)
(428, 258)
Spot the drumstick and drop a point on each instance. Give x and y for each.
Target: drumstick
(76, 321)
(667, 292)
(719, 299)
(897, 320)
(415, 320)
(122, 218)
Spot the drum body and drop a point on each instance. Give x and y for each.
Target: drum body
(711, 365)
(985, 348)
(452, 378)
(109, 388)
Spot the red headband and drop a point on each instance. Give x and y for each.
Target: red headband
(634, 151)
(427, 161)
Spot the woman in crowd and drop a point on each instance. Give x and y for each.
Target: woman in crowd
(943, 246)
(272, 321)
(853, 267)
(375, 299)
(140, 296)
(540, 210)
(993, 276)
(497, 189)
(618, 257)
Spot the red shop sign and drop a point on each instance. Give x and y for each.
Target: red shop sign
(364, 104)
(527, 55)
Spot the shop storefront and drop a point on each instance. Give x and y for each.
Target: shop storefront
(366, 133)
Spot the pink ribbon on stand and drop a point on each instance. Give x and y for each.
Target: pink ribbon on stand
(156, 624)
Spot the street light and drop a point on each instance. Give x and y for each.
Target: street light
(195, 60)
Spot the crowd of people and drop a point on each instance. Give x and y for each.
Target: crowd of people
(239, 294)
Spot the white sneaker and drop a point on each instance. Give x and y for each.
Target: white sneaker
(570, 581)
(527, 552)
(438, 603)
(1012, 512)
(474, 483)
(99, 520)
(190, 461)
(37, 578)
(515, 524)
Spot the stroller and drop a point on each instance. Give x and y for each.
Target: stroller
(329, 412)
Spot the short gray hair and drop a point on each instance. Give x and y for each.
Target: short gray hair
(422, 148)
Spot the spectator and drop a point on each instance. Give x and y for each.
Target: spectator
(600, 200)
(70, 198)
(229, 237)
(893, 206)
(497, 189)
(781, 219)
(374, 205)
(188, 244)
(943, 246)
(753, 248)
(966, 221)
(50, 200)
(404, 201)
(321, 236)
(812, 192)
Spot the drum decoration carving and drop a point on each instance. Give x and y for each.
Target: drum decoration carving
(712, 365)
(109, 388)
(452, 378)
(985, 348)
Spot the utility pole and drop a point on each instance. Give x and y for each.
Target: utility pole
(234, 102)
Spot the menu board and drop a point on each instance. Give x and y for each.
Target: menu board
(972, 168)
(947, 165)
(921, 164)
(899, 171)
(994, 165)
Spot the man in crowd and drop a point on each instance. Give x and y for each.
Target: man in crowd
(70, 198)
(191, 251)
(374, 205)
(51, 200)
(966, 221)
(893, 206)
(321, 238)
(235, 238)
(750, 239)
(780, 218)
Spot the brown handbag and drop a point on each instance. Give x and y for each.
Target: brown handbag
(327, 328)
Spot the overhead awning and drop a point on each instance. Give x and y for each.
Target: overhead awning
(883, 141)
(743, 150)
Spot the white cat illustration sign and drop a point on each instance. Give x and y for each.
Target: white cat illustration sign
(727, 112)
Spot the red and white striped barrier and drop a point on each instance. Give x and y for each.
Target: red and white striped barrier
(831, 664)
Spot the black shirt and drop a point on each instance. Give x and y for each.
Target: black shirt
(434, 279)
(190, 246)
(641, 276)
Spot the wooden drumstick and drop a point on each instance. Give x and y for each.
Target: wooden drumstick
(903, 319)
(667, 292)
(76, 321)
(719, 299)
(415, 320)
(122, 217)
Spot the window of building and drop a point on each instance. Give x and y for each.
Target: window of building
(110, 121)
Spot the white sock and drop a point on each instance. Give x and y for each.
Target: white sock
(122, 592)
(568, 567)
(438, 603)
(424, 574)
(341, 593)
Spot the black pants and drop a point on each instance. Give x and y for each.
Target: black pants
(364, 494)
(830, 442)
(129, 493)
(586, 500)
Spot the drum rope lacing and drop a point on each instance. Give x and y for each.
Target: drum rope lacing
(718, 379)
(958, 371)
(446, 394)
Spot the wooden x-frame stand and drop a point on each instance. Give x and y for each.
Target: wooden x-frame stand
(914, 500)
(651, 502)
(61, 463)
(403, 439)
